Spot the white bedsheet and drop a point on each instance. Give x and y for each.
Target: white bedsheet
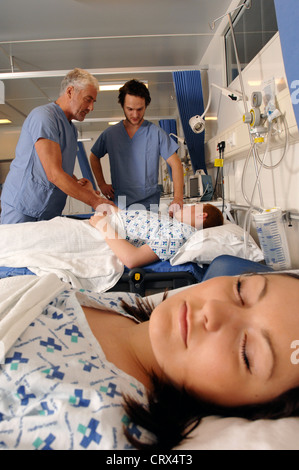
(22, 299)
(69, 248)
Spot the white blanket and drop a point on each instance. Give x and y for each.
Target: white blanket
(22, 298)
(72, 249)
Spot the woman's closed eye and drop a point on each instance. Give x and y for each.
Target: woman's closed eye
(243, 349)
(243, 353)
(239, 288)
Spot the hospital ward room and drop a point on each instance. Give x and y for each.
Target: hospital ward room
(149, 226)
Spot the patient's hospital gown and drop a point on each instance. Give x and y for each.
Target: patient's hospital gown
(57, 390)
(164, 234)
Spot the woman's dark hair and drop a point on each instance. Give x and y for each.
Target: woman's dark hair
(135, 88)
(171, 414)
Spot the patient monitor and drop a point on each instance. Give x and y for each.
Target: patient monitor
(200, 185)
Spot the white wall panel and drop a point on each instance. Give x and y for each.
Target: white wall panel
(279, 187)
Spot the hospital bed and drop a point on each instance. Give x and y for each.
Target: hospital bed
(213, 252)
(160, 276)
(186, 267)
(157, 277)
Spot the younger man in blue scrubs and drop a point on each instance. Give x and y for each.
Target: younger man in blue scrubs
(134, 146)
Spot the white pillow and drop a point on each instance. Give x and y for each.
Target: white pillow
(239, 434)
(205, 245)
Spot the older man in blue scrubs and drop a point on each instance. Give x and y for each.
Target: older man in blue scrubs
(134, 146)
(41, 174)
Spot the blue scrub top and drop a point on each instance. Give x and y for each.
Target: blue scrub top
(134, 162)
(27, 188)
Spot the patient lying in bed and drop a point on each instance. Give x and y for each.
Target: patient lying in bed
(79, 254)
(150, 236)
(221, 347)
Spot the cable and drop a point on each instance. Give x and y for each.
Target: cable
(286, 144)
(247, 220)
(220, 148)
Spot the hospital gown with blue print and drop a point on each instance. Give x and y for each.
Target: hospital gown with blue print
(57, 389)
(161, 232)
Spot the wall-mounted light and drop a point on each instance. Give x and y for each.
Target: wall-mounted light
(197, 123)
(5, 121)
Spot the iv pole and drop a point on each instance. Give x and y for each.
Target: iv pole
(247, 4)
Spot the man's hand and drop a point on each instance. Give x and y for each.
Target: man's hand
(176, 205)
(99, 200)
(107, 190)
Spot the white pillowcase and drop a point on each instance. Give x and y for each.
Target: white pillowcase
(205, 245)
(215, 433)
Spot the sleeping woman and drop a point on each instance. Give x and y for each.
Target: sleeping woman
(86, 370)
(149, 236)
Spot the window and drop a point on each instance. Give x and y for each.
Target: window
(253, 28)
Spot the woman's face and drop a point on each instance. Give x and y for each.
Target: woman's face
(229, 340)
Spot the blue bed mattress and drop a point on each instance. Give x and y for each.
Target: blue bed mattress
(157, 267)
(162, 275)
(165, 267)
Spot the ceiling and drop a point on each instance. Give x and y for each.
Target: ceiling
(117, 39)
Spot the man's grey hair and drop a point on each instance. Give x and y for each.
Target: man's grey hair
(79, 79)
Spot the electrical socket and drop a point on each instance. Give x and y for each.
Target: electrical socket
(232, 139)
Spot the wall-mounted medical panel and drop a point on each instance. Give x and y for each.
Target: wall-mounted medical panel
(267, 65)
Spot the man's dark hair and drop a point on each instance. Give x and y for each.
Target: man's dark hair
(135, 88)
